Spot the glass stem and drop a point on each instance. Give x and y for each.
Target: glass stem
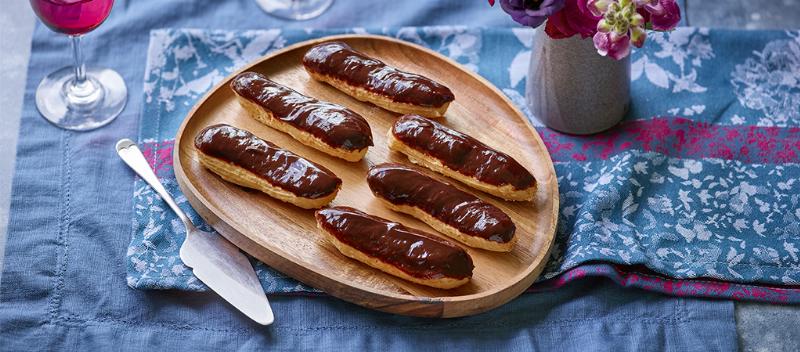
(80, 67)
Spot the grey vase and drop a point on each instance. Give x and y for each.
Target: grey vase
(572, 89)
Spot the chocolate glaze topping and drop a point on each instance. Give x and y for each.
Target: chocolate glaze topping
(334, 124)
(461, 152)
(402, 185)
(416, 253)
(340, 61)
(279, 167)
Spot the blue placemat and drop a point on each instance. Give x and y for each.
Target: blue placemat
(64, 285)
(699, 181)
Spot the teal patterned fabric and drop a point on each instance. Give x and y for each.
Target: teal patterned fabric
(700, 180)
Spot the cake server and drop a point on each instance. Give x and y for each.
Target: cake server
(215, 261)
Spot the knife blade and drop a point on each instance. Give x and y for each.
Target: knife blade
(215, 261)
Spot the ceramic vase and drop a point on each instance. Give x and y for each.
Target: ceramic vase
(572, 89)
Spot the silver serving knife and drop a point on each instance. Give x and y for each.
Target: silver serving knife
(214, 260)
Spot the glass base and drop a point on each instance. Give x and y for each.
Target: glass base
(93, 104)
(295, 9)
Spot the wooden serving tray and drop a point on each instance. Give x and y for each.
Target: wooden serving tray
(285, 237)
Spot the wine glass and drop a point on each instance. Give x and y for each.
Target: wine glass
(295, 9)
(78, 97)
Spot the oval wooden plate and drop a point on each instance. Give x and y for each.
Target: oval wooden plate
(285, 237)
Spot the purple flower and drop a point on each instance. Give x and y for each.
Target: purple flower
(531, 13)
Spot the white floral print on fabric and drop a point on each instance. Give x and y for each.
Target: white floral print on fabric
(712, 217)
(686, 48)
(183, 64)
(769, 82)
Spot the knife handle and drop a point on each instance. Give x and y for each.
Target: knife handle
(131, 155)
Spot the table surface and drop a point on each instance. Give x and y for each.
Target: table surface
(761, 327)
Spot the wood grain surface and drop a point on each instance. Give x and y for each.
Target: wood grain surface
(285, 237)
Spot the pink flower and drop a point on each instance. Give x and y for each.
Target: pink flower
(621, 25)
(664, 15)
(612, 44)
(574, 18)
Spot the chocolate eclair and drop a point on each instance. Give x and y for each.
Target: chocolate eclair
(368, 79)
(388, 246)
(451, 211)
(242, 158)
(328, 127)
(461, 157)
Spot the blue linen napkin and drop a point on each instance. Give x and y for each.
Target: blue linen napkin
(63, 284)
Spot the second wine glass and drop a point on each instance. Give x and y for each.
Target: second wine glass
(297, 10)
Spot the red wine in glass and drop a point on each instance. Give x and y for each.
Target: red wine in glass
(78, 97)
(72, 17)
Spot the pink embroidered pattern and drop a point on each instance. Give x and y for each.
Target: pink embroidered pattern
(159, 156)
(680, 137)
